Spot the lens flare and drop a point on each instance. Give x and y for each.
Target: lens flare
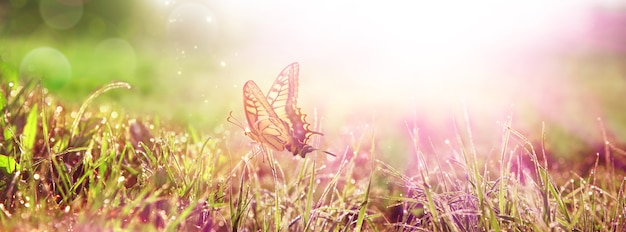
(47, 64)
(61, 14)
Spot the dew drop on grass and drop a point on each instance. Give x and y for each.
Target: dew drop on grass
(88, 155)
(104, 108)
(554, 224)
(36, 176)
(121, 179)
(67, 209)
(48, 101)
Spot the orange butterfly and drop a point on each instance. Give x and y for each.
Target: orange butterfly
(275, 120)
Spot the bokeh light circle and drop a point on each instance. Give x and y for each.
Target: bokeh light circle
(97, 26)
(119, 56)
(61, 14)
(192, 26)
(47, 64)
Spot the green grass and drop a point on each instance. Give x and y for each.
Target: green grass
(153, 74)
(92, 169)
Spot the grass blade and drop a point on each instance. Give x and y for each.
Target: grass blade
(309, 195)
(83, 107)
(8, 165)
(363, 208)
(30, 129)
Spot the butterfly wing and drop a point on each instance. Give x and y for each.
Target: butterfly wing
(281, 89)
(299, 128)
(265, 125)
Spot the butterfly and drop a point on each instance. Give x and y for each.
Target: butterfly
(275, 120)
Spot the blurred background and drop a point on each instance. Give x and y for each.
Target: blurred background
(388, 66)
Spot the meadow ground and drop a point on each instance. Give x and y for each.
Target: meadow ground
(97, 168)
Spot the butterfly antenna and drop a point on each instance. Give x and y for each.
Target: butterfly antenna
(329, 153)
(234, 120)
(318, 127)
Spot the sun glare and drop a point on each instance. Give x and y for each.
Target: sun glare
(396, 58)
(435, 50)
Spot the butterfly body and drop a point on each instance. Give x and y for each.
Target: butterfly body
(274, 119)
